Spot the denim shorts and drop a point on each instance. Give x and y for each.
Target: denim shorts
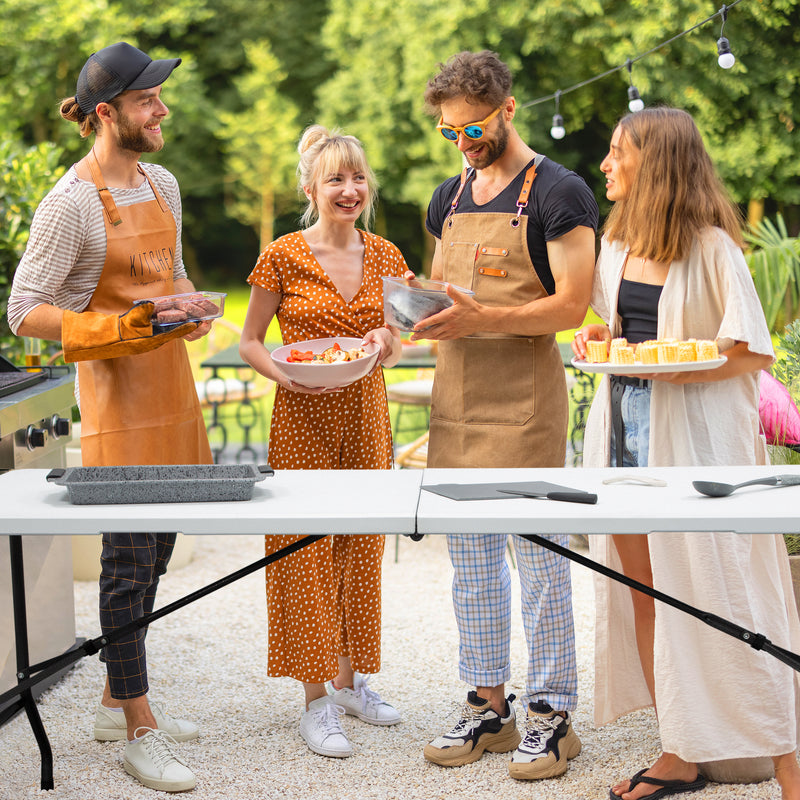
(636, 425)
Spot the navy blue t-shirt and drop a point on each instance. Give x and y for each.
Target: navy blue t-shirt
(560, 200)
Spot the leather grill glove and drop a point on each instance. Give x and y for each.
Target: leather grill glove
(91, 335)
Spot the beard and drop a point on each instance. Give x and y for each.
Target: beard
(492, 148)
(131, 137)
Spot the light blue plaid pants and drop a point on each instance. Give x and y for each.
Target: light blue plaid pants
(482, 602)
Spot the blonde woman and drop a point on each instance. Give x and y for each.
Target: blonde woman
(324, 602)
(671, 265)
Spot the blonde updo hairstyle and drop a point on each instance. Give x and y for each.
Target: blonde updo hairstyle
(324, 152)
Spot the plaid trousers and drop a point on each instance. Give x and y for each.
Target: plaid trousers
(482, 602)
(130, 567)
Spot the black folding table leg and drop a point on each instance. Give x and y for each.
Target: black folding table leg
(23, 659)
(46, 668)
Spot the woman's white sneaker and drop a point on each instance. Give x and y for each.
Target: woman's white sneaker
(365, 703)
(321, 727)
(152, 761)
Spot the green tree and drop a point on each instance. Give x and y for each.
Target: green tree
(260, 145)
(26, 174)
(293, 35)
(363, 65)
(45, 45)
(43, 48)
(747, 114)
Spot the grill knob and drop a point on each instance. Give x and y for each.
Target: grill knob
(59, 426)
(35, 437)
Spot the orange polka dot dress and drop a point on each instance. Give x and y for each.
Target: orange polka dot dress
(325, 600)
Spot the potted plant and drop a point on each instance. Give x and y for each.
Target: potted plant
(774, 261)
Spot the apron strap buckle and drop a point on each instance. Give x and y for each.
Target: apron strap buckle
(522, 200)
(515, 221)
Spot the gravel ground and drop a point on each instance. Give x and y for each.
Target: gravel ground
(207, 663)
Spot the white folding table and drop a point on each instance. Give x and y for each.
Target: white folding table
(290, 502)
(316, 503)
(310, 503)
(621, 507)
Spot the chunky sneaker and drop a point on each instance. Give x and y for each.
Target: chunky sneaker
(480, 728)
(364, 703)
(321, 727)
(548, 742)
(110, 726)
(152, 761)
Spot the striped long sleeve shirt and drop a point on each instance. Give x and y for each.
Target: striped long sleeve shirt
(67, 246)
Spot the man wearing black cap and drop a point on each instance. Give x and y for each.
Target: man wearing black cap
(108, 235)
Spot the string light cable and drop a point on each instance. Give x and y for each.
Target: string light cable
(726, 60)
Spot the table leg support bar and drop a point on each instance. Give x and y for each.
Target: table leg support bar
(756, 640)
(144, 621)
(29, 675)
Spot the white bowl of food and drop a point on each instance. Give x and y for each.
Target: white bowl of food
(407, 302)
(326, 363)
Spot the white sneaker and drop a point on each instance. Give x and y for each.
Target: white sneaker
(110, 726)
(364, 703)
(152, 762)
(321, 727)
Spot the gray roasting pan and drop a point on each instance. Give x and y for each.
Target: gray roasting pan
(164, 483)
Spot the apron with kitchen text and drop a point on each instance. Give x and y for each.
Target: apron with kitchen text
(139, 409)
(498, 400)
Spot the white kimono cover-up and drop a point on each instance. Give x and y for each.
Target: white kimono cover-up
(717, 698)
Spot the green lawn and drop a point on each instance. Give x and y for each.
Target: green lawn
(236, 310)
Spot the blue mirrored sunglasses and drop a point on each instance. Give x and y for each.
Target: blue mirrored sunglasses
(474, 130)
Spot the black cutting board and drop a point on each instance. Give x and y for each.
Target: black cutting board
(490, 491)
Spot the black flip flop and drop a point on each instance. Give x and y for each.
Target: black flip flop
(667, 787)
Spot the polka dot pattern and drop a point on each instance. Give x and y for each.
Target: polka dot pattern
(324, 601)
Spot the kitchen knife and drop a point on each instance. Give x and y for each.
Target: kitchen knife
(567, 497)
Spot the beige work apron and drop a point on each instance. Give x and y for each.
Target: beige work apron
(140, 409)
(498, 400)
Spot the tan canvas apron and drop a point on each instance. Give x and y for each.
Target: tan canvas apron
(140, 409)
(498, 400)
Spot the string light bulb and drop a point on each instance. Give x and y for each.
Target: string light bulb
(635, 102)
(557, 130)
(725, 59)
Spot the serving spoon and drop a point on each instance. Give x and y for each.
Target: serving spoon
(715, 489)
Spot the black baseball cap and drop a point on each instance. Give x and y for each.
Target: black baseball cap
(119, 68)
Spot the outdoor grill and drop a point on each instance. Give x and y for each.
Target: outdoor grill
(35, 429)
(35, 416)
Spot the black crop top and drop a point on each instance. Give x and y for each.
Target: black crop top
(638, 306)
